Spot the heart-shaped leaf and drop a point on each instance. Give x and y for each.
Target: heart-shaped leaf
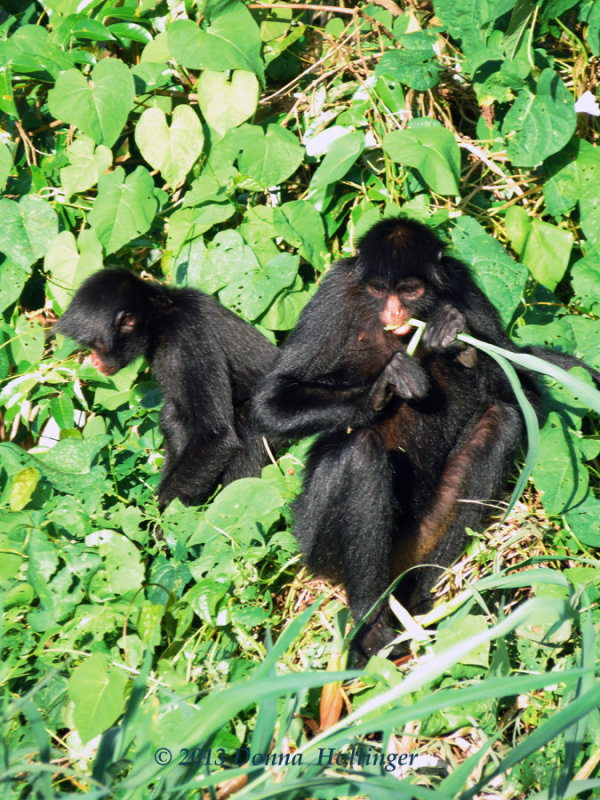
(233, 41)
(69, 263)
(173, 150)
(124, 208)
(26, 229)
(98, 108)
(430, 148)
(539, 125)
(224, 103)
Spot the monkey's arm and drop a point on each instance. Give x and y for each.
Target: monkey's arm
(317, 383)
(197, 422)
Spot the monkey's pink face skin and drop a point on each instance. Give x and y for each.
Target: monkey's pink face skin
(394, 316)
(102, 366)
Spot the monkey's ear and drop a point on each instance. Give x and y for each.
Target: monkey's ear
(439, 272)
(125, 321)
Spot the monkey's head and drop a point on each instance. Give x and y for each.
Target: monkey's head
(401, 264)
(109, 315)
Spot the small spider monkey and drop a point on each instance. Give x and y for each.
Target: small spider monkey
(206, 360)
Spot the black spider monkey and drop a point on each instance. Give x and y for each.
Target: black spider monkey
(412, 450)
(206, 360)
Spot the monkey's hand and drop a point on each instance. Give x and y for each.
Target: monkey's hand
(442, 328)
(402, 376)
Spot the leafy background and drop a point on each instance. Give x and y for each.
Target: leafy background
(240, 149)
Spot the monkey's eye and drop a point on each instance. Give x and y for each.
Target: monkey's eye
(376, 291)
(411, 290)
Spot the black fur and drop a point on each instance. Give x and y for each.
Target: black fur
(206, 360)
(412, 449)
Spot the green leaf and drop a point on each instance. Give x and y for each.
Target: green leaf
(131, 31)
(99, 108)
(545, 250)
(412, 67)
(88, 162)
(63, 411)
(82, 26)
(5, 164)
(30, 49)
(7, 102)
(341, 156)
(157, 51)
(188, 223)
(467, 21)
(28, 345)
(228, 264)
(250, 292)
(22, 486)
(518, 23)
(588, 168)
(124, 207)
(205, 189)
(591, 16)
(283, 314)
(73, 456)
(574, 334)
(236, 510)
(586, 282)
(560, 473)
(585, 521)
(68, 266)
(232, 42)
(497, 274)
(97, 694)
(13, 278)
(210, 268)
(518, 224)
(148, 623)
(124, 570)
(27, 227)
(233, 31)
(171, 150)
(148, 77)
(432, 150)
(268, 158)
(562, 186)
(539, 124)
(227, 103)
(574, 177)
(300, 224)
(205, 597)
(63, 7)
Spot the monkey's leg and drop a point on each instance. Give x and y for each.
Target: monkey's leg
(473, 479)
(250, 458)
(194, 473)
(345, 520)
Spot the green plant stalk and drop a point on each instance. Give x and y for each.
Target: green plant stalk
(529, 415)
(416, 337)
(582, 390)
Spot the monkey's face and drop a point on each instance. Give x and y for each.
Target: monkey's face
(396, 306)
(113, 334)
(103, 364)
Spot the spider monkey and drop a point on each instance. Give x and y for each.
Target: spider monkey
(206, 360)
(411, 450)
